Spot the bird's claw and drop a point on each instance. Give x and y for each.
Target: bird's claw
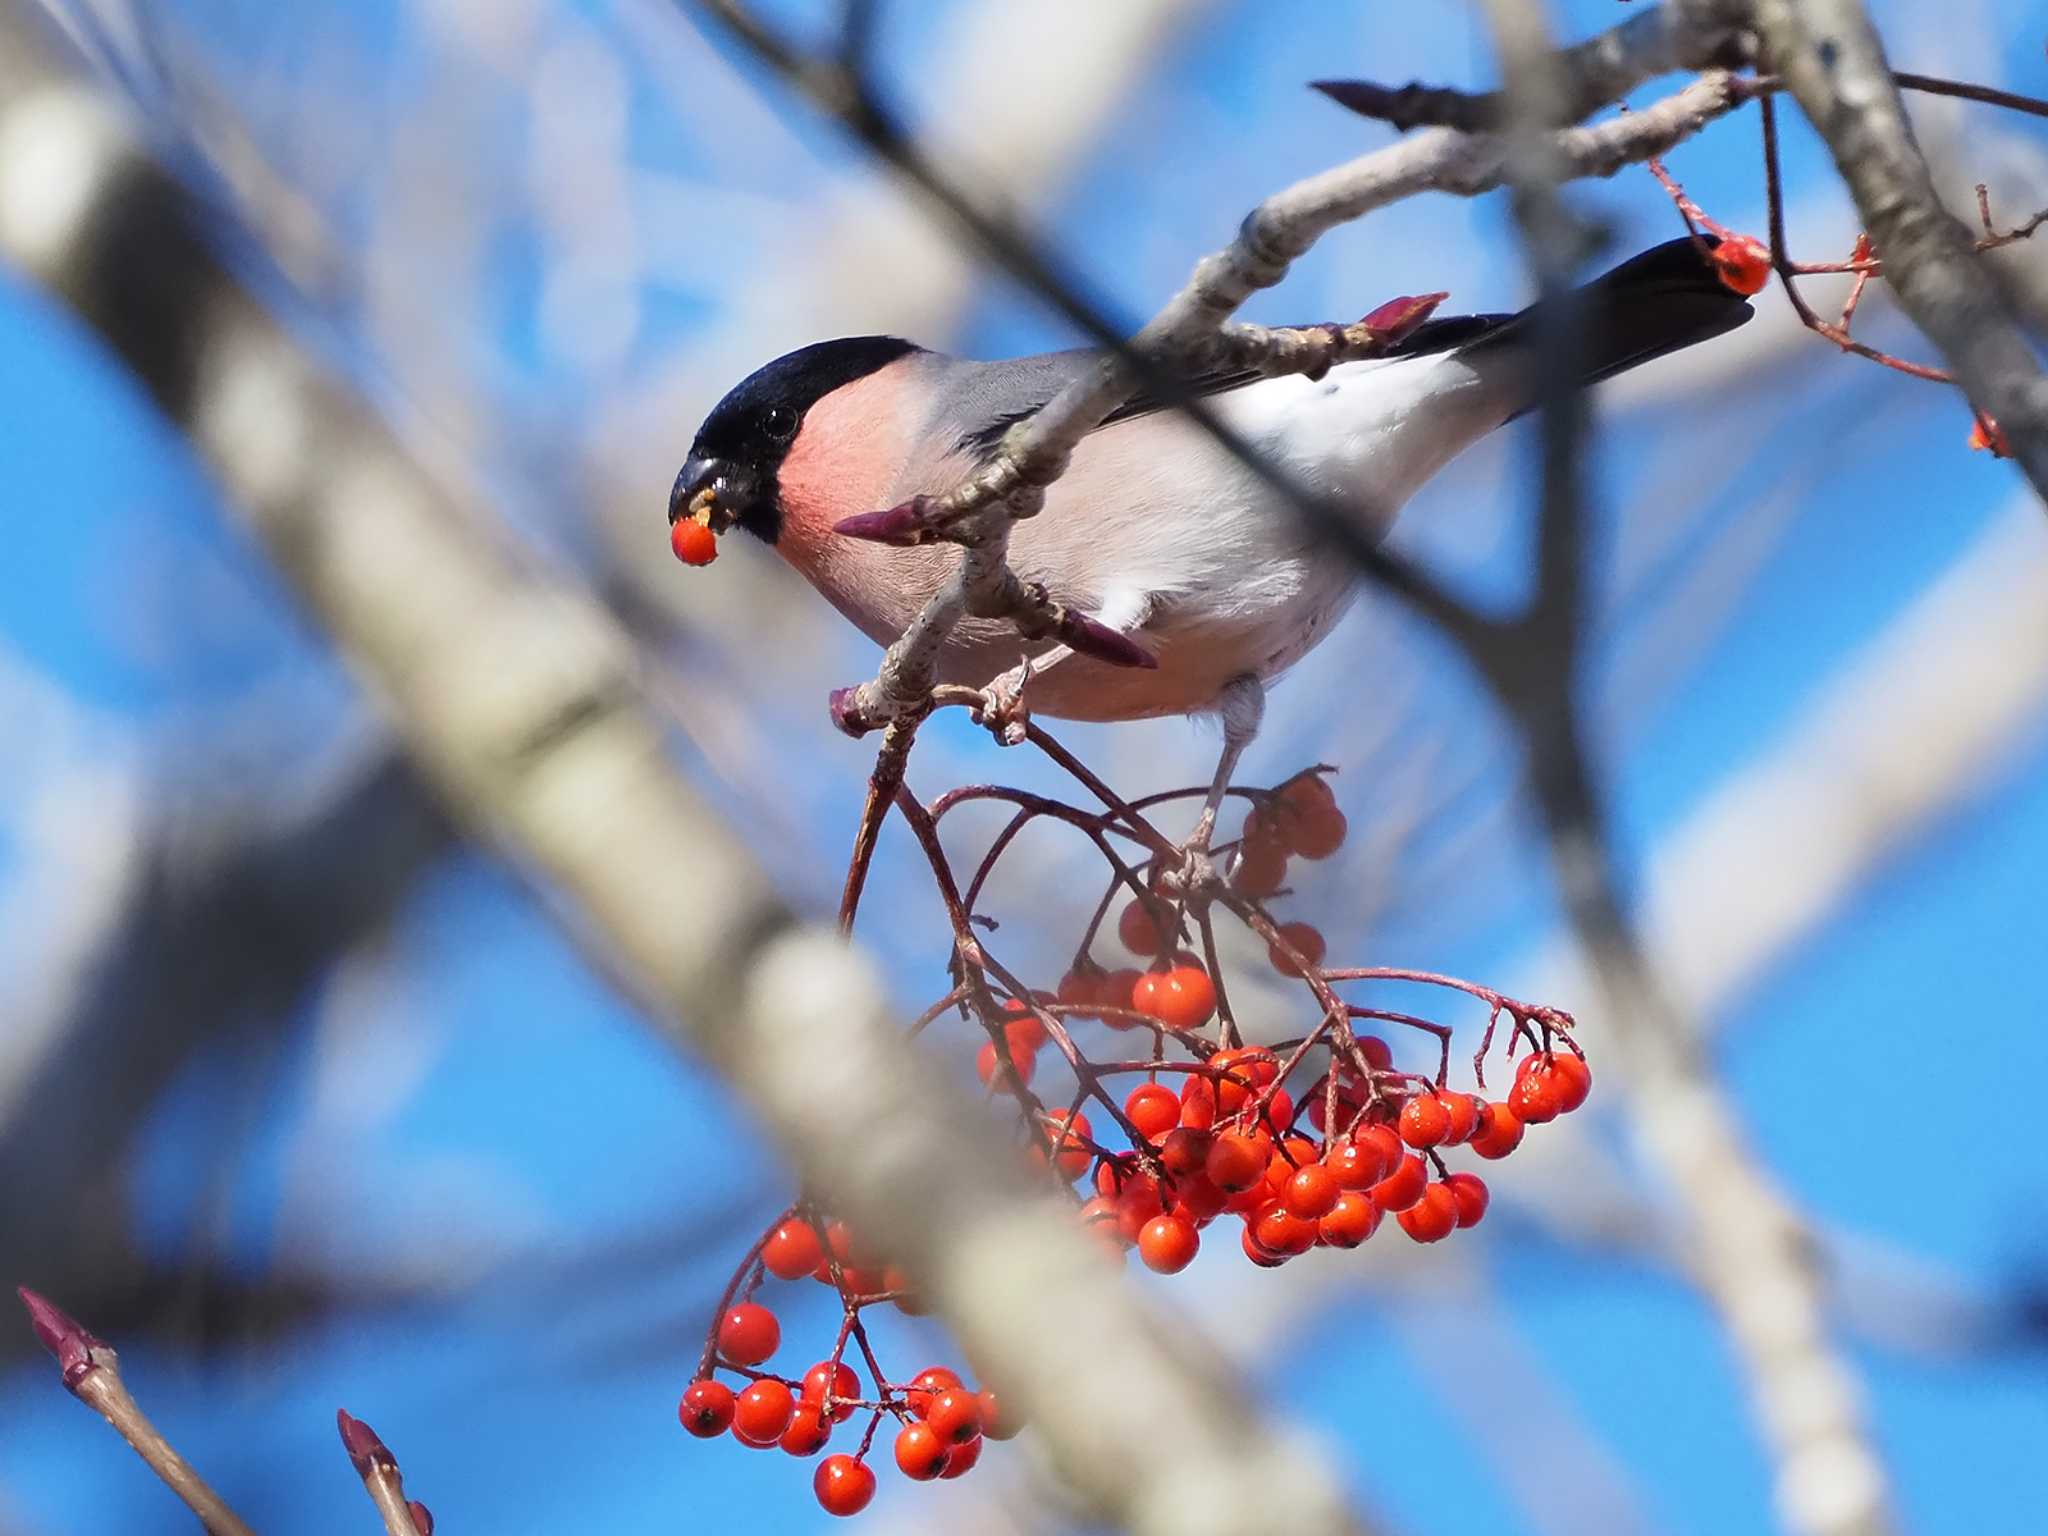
(1002, 708)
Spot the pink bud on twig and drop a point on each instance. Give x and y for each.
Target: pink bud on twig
(1088, 637)
(422, 1517)
(847, 715)
(904, 526)
(362, 1444)
(62, 1335)
(1396, 318)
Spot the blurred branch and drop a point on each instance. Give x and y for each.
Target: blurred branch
(1834, 64)
(225, 923)
(519, 699)
(92, 1374)
(1755, 1260)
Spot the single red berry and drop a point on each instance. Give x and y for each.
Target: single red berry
(1265, 827)
(1305, 937)
(1116, 991)
(1182, 998)
(1099, 1216)
(1570, 1069)
(693, 543)
(1350, 1221)
(987, 1065)
(1385, 1140)
(1431, 1218)
(1279, 1231)
(902, 1295)
(1377, 1053)
(1185, 1150)
(1537, 1097)
(1081, 988)
(1499, 1133)
(962, 1458)
(1022, 1028)
(792, 1250)
(1197, 1103)
(845, 1386)
(1289, 1153)
(1068, 1141)
(1356, 1164)
(1235, 1163)
(1469, 1191)
(1403, 1187)
(920, 1453)
(843, 1485)
(1318, 832)
(1306, 793)
(926, 1384)
(1348, 1107)
(1311, 1192)
(839, 1240)
(1424, 1121)
(706, 1409)
(807, 1432)
(1744, 263)
(1137, 931)
(1168, 1244)
(1278, 1113)
(1153, 1108)
(748, 1334)
(864, 1282)
(1133, 1213)
(1260, 870)
(954, 1414)
(1463, 1110)
(998, 1420)
(1259, 1255)
(762, 1412)
(1197, 1198)
(1241, 1074)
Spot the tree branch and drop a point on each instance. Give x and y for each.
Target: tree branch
(1834, 64)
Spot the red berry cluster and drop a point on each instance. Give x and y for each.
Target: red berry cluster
(1234, 1143)
(941, 1421)
(1308, 1142)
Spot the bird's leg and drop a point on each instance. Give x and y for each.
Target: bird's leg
(1242, 704)
(1002, 708)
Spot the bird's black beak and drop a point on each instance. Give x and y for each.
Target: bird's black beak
(714, 491)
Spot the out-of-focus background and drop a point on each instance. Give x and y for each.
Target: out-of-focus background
(304, 1102)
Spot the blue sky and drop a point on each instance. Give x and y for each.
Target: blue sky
(466, 1098)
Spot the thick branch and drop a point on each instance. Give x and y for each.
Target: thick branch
(1832, 61)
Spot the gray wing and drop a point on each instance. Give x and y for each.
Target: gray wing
(986, 399)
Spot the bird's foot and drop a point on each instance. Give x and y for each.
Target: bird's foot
(1192, 877)
(1002, 708)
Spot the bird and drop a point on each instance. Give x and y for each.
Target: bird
(1155, 531)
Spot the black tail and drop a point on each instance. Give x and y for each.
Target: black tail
(1670, 296)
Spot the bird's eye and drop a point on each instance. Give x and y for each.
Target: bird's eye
(779, 422)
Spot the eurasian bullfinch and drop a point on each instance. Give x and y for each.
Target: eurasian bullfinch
(1155, 530)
